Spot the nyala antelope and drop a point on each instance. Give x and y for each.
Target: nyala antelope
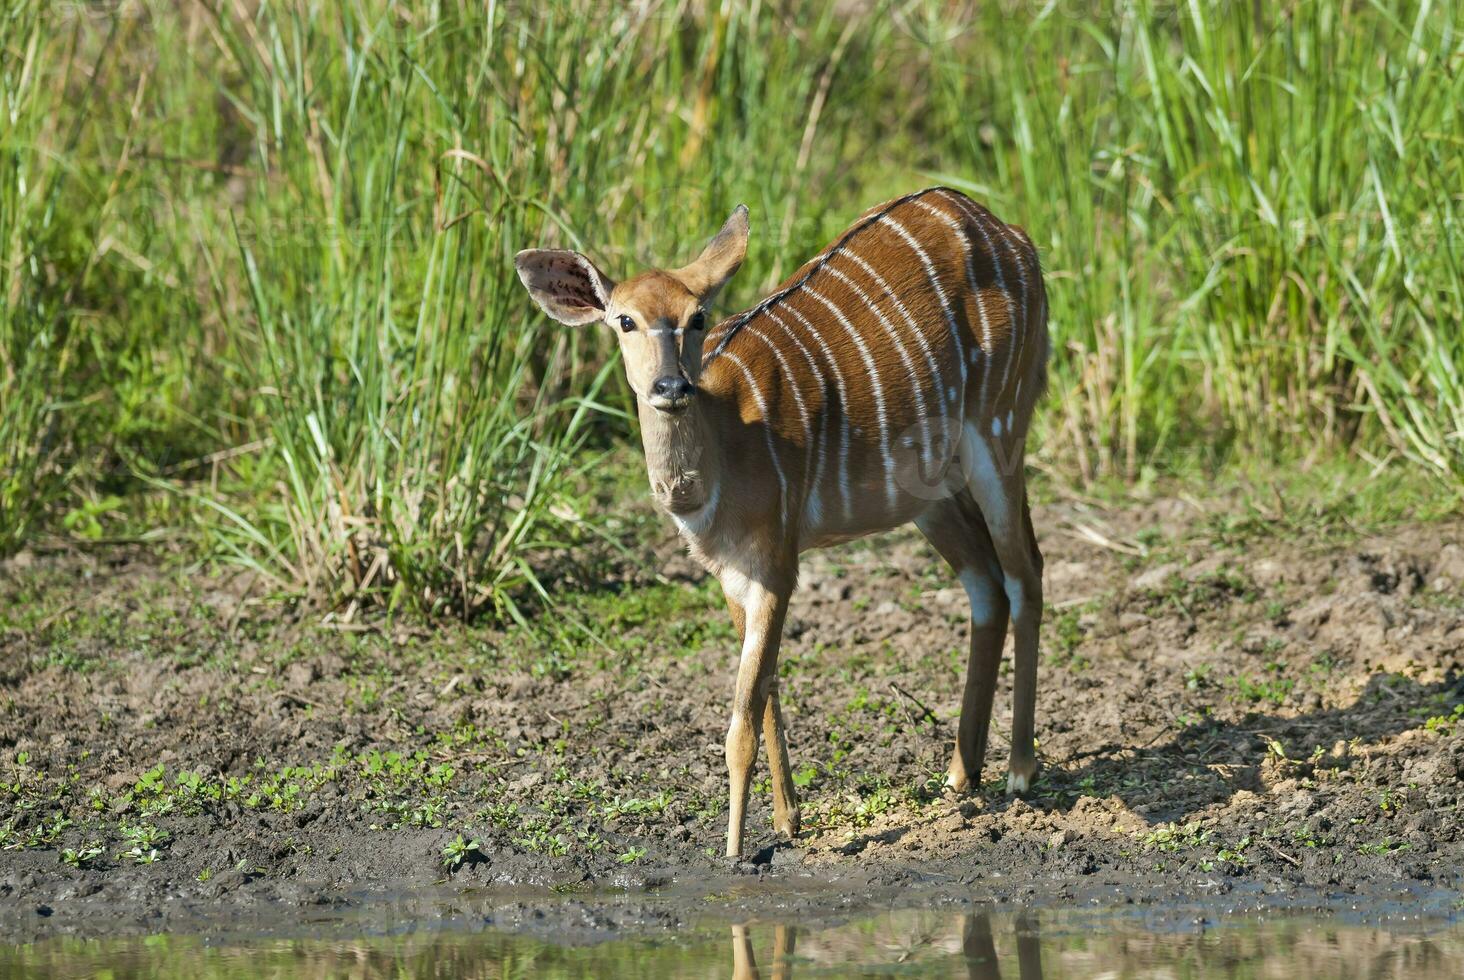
(891, 378)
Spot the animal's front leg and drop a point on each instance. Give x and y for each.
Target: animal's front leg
(763, 611)
(786, 816)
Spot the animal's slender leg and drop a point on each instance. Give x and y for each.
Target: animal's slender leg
(786, 816)
(765, 609)
(995, 479)
(739, 617)
(1026, 627)
(957, 531)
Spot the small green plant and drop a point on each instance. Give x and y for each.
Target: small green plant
(1275, 749)
(1173, 837)
(632, 855)
(1068, 631)
(80, 857)
(803, 777)
(1306, 837)
(1253, 690)
(1197, 676)
(84, 520)
(427, 815)
(144, 841)
(650, 806)
(458, 850)
(1235, 854)
(1445, 724)
(49, 832)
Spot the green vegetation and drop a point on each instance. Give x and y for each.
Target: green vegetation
(255, 278)
(1445, 724)
(470, 744)
(1171, 837)
(458, 850)
(1270, 688)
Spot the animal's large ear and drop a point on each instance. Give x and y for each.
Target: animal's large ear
(566, 284)
(720, 259)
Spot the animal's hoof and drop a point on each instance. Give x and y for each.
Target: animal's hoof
(1020, 779)
(737, 866)
(789, 824)
(959, 785)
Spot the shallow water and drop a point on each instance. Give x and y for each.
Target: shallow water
(918, 943)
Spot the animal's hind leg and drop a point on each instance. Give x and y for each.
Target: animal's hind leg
(957, 531)
(995, 480)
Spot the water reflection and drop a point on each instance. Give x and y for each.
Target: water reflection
(744, 963)
(913, 942)
(977, 948)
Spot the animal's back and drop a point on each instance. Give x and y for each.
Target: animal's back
(925, 314)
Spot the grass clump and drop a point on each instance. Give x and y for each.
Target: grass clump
(255, 261)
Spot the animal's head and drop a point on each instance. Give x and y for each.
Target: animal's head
(660, 317)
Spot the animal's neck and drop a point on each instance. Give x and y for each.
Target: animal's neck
(682, 458)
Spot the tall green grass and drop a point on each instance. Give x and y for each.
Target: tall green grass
(35, 347)
(266, 271)
(1250, 214)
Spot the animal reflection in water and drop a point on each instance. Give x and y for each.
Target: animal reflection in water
(972, 931)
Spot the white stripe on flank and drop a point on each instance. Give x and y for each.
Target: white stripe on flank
(875, 385)
(813, 492)
(915, 381)
(945, 303)
(767, 421)
(984, 347)
(955, 330)
(920, 337)
(714, 334)
(1020, 263)
(979, 220)
(797, 399)
(843, 413)
(813, 265)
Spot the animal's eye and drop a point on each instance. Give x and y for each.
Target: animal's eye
(627, 324)
(698, 321)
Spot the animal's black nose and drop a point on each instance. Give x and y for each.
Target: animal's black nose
(672, 387)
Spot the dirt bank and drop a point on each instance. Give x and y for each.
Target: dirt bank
(1223, 712)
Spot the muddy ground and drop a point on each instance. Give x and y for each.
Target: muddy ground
(1233, 708)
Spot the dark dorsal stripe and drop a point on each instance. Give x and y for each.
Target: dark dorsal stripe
(736, 323)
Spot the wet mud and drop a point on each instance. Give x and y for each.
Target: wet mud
(1229, 720)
